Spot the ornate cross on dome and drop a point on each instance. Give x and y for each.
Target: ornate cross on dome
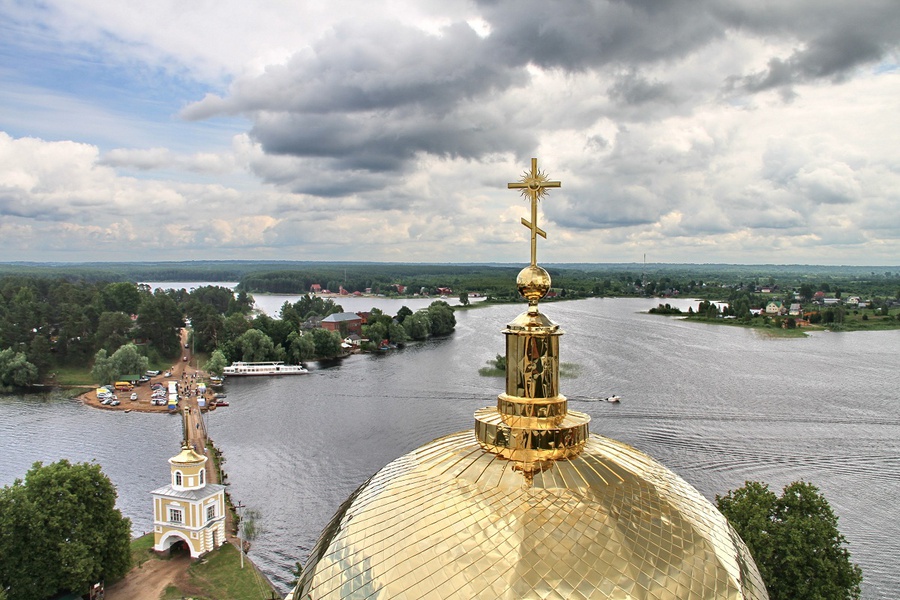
(534, 186)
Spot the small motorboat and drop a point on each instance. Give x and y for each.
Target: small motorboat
(221, 403)
(613, 398)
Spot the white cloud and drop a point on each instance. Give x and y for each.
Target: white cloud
(714, 133)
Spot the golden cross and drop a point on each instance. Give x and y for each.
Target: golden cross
(534, 185)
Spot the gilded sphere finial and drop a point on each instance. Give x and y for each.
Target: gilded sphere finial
(533, 282)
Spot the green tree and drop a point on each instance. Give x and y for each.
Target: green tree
(113, 330)
(127, 360)
(375, 332)
(464, 298)
(235, 326)
(301, 347)
(206, 324)
(159, 321)
(40, 354)
(216, 363)
(102, 371)
(794, 540)
(255, 346)
(742, 307)
(404, 312)
(418, 325)
(328, 343)
(396, 333)
(121, 297)
(243, 304)
(15, 370)
(443, 322)
(807, 291)
(216, 297)
(60, 530)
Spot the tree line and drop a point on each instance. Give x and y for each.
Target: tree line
(49, 324)
(295, 337)
(122, 327)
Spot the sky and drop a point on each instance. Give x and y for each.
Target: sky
(685, 131)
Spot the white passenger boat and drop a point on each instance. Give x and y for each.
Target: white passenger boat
(263, 368)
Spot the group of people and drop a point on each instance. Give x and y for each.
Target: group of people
(187, 387)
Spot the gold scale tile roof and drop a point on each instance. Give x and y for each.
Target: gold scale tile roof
(529, 504)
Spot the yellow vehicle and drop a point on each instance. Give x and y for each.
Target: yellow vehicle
(123, 386)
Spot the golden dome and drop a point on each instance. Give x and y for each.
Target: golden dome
(187, 456)
(528, 505)
(452, 520)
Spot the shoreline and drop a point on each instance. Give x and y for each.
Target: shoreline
(182, 372)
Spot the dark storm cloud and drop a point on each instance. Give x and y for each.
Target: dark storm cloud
(587, 34)
(832, 39)
(371, 97)
(380, 142)
(380, 67)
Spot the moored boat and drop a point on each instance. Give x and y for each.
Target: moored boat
(263, 368)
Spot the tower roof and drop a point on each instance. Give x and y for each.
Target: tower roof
(187, 456)
(530, 504)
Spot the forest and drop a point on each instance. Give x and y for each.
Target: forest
(58, 330)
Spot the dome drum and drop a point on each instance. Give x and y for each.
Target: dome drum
(533, 441)
(532, 408)
(532, 357)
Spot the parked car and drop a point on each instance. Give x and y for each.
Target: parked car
(151, 373)
(133, 396)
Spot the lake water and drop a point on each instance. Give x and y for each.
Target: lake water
(717, 405)
(271, 304)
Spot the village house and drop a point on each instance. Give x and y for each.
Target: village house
(775, 307)
(351, 322)
(795, 310)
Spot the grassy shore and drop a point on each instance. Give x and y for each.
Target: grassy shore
(219, 575)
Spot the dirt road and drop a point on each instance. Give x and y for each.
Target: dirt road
(150, 580)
